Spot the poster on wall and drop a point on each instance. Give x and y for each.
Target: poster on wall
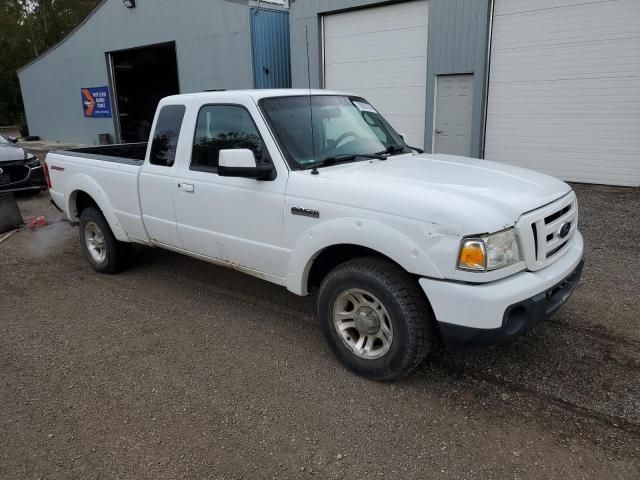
(96, 103)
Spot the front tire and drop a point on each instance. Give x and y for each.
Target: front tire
(100, 247)
(375, 318)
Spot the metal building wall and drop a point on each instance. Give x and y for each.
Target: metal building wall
(271, 48)
(458, 32)
(213, 43)
(457, 43)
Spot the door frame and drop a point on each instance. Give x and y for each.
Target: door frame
(115, 111)
(113, 87)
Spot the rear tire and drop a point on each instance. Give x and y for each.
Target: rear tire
(375, 318)
(100, 247)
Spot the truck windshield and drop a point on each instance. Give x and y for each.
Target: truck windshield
(312, 129)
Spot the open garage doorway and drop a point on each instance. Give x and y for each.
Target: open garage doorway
(140, 77)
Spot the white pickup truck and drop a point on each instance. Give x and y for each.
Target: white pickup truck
(315, 191)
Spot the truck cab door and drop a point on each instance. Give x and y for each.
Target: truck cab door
(157, 182)
(238, 221)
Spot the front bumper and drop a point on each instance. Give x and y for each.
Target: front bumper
(518, 318)
(475, 315)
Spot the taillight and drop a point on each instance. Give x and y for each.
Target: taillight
(46, 174)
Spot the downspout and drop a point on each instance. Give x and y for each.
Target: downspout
(486, 78)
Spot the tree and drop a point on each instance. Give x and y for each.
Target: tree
(28, 28)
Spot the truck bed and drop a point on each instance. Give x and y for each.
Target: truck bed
(109, 175)
(127, 153)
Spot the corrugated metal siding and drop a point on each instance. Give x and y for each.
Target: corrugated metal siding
(458, 44)
(271, 54)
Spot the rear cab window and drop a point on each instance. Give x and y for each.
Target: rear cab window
(165, 136)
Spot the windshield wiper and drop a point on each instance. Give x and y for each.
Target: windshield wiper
(348, 157)
(396, 148)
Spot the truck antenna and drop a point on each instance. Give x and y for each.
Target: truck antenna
(314, 171)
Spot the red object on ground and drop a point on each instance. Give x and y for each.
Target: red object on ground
(38, 222)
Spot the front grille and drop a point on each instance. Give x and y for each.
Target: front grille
(17, 173)
(556, 215)
(553, 251)
(545, 233)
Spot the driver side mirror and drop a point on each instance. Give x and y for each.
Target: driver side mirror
(12, 139)
(241, 162)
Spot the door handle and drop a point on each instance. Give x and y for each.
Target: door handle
(439, 131)
(186, 187)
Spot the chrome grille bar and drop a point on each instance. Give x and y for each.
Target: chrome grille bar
(544, 232)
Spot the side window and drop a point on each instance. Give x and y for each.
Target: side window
(221, 127)
(165, 137)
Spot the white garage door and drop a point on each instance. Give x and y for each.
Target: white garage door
(564, 91)
(380, 53)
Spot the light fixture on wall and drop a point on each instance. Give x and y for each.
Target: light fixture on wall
(129, 3)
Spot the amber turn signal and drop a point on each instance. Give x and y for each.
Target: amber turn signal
(472, 256)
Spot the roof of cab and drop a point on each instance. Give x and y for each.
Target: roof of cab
(255, 94)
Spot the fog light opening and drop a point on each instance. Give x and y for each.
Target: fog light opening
(516, 320)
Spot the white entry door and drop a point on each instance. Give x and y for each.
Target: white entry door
(380, 53)
(452, 133)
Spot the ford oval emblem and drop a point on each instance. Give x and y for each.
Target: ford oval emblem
(564, 229)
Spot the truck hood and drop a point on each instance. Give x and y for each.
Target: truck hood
(470, 195)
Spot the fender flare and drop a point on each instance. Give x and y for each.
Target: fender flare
(84, 183)
(355, 231)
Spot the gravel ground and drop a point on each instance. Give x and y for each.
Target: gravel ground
(180, 369)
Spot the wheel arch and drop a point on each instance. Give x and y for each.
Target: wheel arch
(320, 249)
(85, 192)
(334, 255)
(78, 201)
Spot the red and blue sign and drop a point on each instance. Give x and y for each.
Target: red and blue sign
(96, 103)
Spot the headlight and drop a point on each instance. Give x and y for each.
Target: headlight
(33, 161)
(489, 252)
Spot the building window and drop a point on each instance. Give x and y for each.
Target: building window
(221, 127)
